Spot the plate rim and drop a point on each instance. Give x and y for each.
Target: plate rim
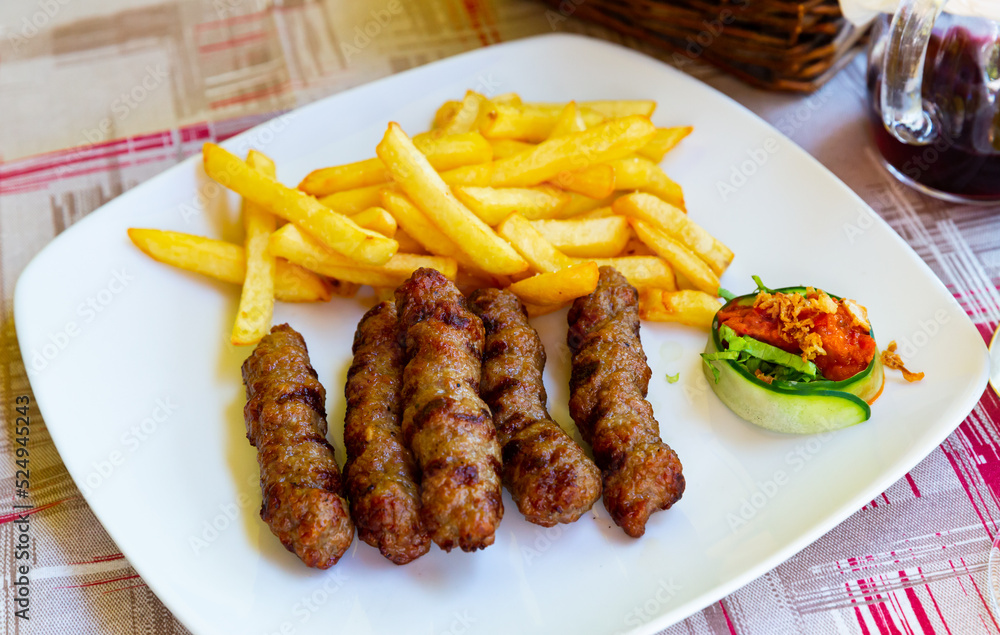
(191, 618)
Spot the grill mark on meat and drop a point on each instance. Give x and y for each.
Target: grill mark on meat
(299, 478)
(549, 477)
(608, 386)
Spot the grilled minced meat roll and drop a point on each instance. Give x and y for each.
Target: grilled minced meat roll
(549, 476)
(608, 387)
(446, 425)
(299, 478)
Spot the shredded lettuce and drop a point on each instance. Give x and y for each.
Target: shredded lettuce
(726, 294)
(755, 355)
(760, 285)
(672, 379)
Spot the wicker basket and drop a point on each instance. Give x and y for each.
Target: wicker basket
(774, 44)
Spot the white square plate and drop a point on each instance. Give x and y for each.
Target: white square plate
(133, 374)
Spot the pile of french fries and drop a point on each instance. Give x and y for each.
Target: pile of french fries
(532, 197)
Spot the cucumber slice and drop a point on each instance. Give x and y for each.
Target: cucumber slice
(793, 407)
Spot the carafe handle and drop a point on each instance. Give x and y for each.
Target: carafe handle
(903, 110)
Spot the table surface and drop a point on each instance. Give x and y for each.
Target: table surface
(132, 83)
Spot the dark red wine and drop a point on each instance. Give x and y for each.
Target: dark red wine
(965, 159)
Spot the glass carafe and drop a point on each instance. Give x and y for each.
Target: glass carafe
(934, 93)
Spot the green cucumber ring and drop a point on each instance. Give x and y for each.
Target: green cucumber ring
(793, 407)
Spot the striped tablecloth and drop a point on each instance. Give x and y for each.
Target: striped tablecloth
(131, 87)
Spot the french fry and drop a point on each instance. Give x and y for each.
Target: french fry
(420, 228)
(408, 244)
(678, 225)
(506, 98)
(694, 308)
(600, 212)
(595, 181)
(479, 174)
(603, 143)
(529, 122)
(503, 148)
(431, 194)
(540, 254)
(464, 118)
(622, 107)
(535, 310)
(663, 142)
(594, 238)
(445, 113)
(569, 121)
(253, 317)
(635, 247)
(680, 257)
(351, 202)
(296, 246)
(227, 262)
(377, 220)
(443, 152)
(639, 173)
(493, 205)
(336, 231)
(579, 204)
(558, 287)
(642, 272)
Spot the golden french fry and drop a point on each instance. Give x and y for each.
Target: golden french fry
(694, 308)
(558, 287)
(506, 98)
(639, 173)
(535, 310)
(635, 247)
(336, 231)
(408, 244)
(493, 205)
(642, 272)
(595, 181)
(569, 121)
(529, 122)
(600, 212)
(479, 174)
(503, 148)
(351, 202)
(579, 204)
(253, 317)
(445, 113)
(542, 256)
(678, 225)
(227, 262)
(622, 107)
(443, 152)
(663, 142)
(377, 220)
(431, 194)
(296, 246)
(464, 118)
(680, 257)
(591, 237)
(603, 143)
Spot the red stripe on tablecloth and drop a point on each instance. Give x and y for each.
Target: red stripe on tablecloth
(965, 484)
(232, 42)
(861, 621)
(725, 613)
(236, 19)
(229, 101)
(15, 515)
(989, 610)
(913, 485)
(111, 558)
(99, 582)
(918, 610)
(936, 607)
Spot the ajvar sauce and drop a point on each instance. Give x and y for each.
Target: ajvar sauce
(849, 348)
